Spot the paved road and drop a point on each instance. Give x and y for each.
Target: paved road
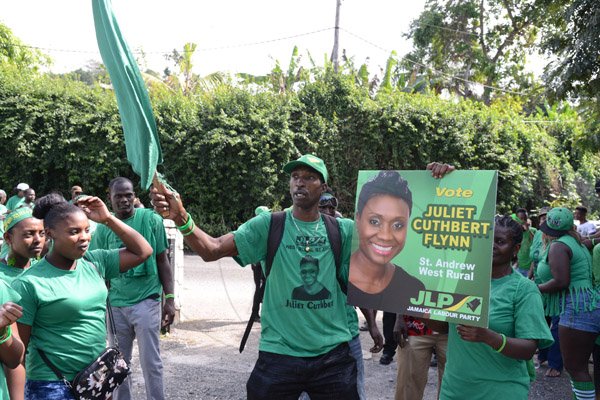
(201, 355)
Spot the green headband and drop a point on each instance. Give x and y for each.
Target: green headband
(16, 216)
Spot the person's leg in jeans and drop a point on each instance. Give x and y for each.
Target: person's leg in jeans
(125, 337)
(555, 363)
(146, 322)
(389, 347)
(356, 352)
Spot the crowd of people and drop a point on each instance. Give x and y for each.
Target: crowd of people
(58, 284)
(59, 277)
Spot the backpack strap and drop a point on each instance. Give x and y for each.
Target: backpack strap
(276, 228)
(335, 241)
(275, 235)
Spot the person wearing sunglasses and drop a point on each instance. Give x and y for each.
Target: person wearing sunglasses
(328, 204)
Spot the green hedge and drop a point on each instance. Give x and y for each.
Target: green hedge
(224, 149)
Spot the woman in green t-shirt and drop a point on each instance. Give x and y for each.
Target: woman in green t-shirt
(491, 363)
(566, 283)
(64, 294)
(25, 237)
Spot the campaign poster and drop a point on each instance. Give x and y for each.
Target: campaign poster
(423, 246)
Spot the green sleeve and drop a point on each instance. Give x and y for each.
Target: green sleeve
(28, 300)
(160, 234)
(106, 261)
(251, 239)
(530, 322)
(8, 293)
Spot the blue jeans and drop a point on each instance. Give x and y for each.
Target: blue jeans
(47, 390)
(587, 321)
(356, 352)
(329, 376)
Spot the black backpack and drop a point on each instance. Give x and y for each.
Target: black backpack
(276, 229)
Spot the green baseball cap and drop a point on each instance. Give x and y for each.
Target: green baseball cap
(558, 222)
(311, 161)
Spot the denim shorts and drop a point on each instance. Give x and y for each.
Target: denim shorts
(587, 321)
(47, 390)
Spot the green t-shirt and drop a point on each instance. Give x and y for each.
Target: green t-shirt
(292, 322)
(523, 256)
(141, 282)
(6, 294)
(66, 310)
(9, 273)
(14, 202)
(475, 370)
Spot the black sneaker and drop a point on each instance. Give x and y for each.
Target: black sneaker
(385, 359)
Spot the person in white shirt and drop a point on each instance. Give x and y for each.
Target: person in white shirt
(585, 227)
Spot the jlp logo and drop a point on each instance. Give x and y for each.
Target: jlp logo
(433, 299)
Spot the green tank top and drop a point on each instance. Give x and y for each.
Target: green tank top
(580, 289)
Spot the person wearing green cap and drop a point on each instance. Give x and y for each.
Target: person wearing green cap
(303, 344)
(25, 237)
(550, 354)
(565, 273)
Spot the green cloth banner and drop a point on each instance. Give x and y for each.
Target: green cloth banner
(423, 246)
(139, 126)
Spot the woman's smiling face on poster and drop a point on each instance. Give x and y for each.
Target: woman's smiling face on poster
(382, 228)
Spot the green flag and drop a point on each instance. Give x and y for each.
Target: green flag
(139, 126)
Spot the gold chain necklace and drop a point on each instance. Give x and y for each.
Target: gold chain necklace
(307, 247)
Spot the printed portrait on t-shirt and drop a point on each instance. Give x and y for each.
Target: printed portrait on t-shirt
(311, 288)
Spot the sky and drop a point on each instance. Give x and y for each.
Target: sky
(224, 30)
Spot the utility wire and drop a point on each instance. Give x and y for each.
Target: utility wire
(436, 71)
(229, 46)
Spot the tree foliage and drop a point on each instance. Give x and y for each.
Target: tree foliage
(572, 38)
(483, 41)
(224, 148)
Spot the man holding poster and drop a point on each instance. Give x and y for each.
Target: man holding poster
(422, 246)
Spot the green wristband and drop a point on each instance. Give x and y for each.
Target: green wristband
(192, 227)
(169, 296)
(503, 344)
(187, 224)
(7, 335)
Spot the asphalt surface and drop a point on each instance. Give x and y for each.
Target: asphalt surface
(201, 358)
